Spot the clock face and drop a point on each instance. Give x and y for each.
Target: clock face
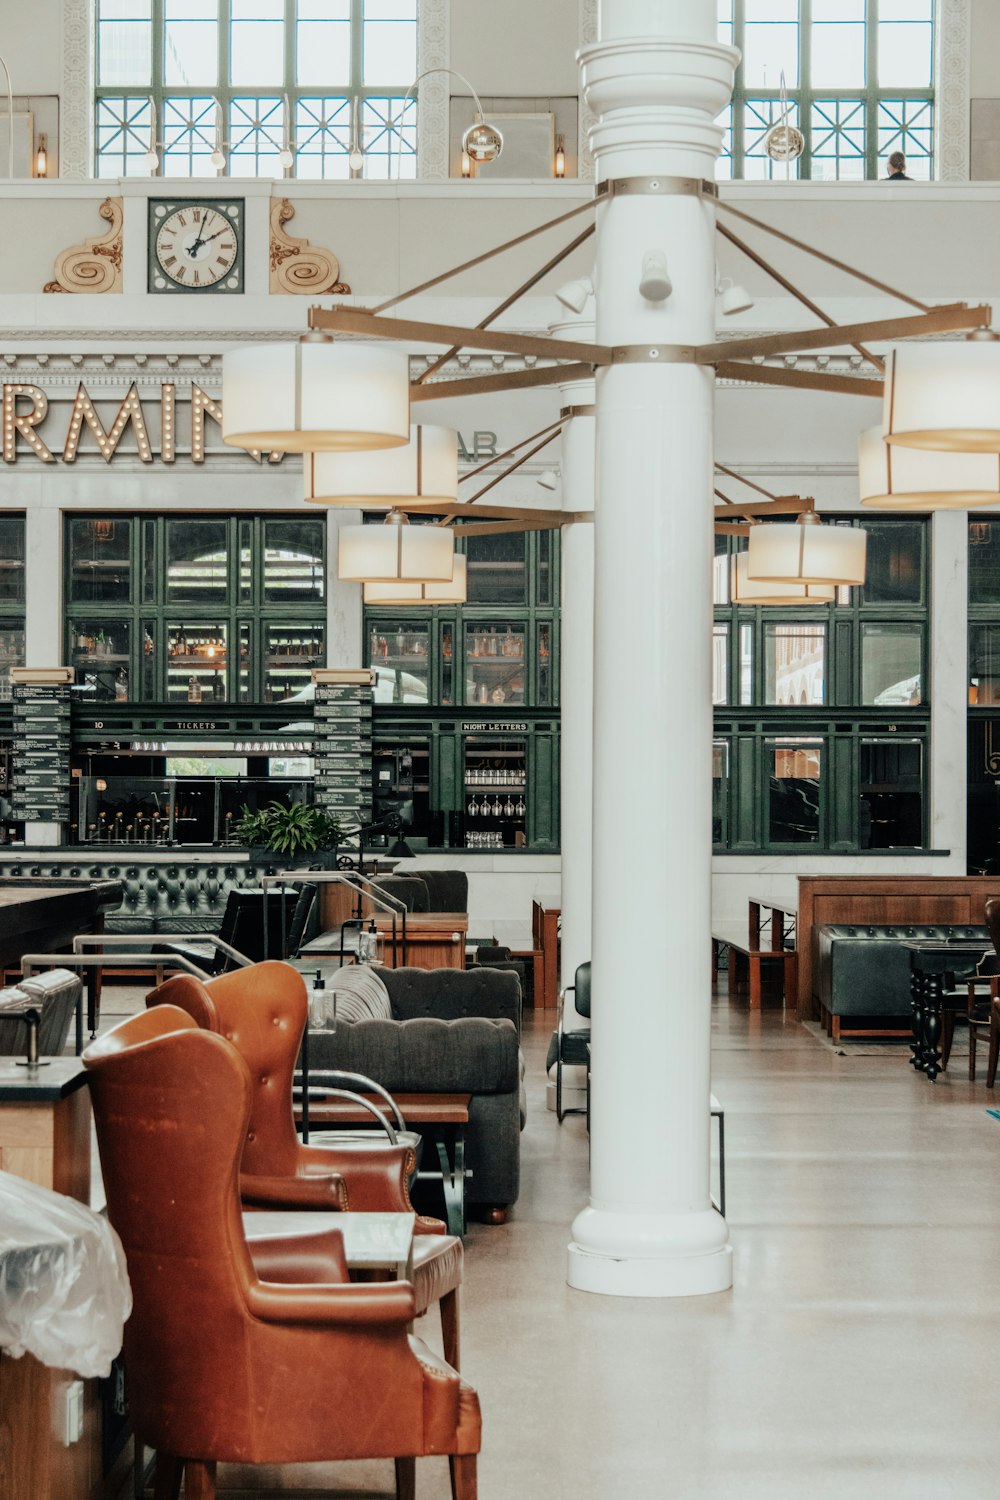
(196, 246)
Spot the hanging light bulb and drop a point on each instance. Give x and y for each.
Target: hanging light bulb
(286, 156)
(356, 157)
(806, 552)
(892, 477)
(746, 590)
(482, 141)
(151, 161)
(313, 395)
(945, 395)
(423, 472)
(396, 552)
(217, 160)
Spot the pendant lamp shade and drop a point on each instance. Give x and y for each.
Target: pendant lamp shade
(944, 395)
(315, 395)
(455, 592)
(896, 478)
(423, 471)
(396, 552)
(748, 591)
(806, 552)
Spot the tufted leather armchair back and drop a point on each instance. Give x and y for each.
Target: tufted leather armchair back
(262, 1012)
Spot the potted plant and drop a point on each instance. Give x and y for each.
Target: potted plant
(294, 831)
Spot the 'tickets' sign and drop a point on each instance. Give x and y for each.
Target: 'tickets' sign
(25, 408)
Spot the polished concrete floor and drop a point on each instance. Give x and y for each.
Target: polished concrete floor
(858, 1354)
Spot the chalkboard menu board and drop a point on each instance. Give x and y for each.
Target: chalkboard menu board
(343, 745)
(41, 752)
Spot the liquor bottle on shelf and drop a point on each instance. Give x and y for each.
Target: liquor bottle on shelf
(121, 686)
(194, 689)
(147, 643)
(218, 687)
(99, 644)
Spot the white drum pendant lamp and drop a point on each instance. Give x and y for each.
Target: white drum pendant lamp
(455, 592)
(944, 395)
(748, 591)
(315, 395)
(396, 552)
(423, 472)
(896, 478)
(806, 552)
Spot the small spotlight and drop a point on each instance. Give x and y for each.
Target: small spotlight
(734, 298)
(575, 293)
(549, 479)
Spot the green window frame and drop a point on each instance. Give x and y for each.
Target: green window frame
(871, 637)
(120, 634)
(851, 123)
(256, 77)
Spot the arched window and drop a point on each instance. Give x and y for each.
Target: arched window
(266, 84)
(859, 84)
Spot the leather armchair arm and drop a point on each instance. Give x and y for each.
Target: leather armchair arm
(376, 1176)
(314, 1257)
(327, 1191)
(354, 1305)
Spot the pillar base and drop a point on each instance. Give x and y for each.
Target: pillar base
(650, 1255)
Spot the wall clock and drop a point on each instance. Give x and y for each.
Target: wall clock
(196, 245)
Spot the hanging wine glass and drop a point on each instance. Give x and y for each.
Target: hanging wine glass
(519, 809)
(473, 808)
(508, 808)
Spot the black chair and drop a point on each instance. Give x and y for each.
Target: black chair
(243, 929)
(496, 956)
(571, 1049)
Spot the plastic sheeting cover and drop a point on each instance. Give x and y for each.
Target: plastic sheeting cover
(64, 1288)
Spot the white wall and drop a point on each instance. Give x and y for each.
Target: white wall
(31, 44)
(517, 47)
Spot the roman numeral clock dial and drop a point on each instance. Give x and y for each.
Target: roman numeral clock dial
(196, 246)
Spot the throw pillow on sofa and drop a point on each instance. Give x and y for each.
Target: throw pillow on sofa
(353, 993)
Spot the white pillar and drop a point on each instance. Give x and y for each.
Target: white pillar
(344, 646)
(656, 79)
(576, 684)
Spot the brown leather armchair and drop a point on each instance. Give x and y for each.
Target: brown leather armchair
(218, 1338)
(262, 1010)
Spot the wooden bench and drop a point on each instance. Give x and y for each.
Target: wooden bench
(748, 962)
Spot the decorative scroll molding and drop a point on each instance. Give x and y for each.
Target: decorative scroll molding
(953, 44)
(96, 265)
(588, 34)
(76, 101)
(297, 266)
(433, 51)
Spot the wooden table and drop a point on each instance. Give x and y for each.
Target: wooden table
(933, 967)
(443, 1117)
(746, 956)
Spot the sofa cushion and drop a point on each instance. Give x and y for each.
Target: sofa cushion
(451, 994)
(424, 1056)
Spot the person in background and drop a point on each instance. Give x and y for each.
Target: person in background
(897, 168)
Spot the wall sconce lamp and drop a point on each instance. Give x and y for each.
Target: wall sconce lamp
(42, 158)
(560, 161)
(466, 164)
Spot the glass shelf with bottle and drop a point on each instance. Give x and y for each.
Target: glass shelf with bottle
(494, 663)
(290, 654)
(196, 663)
(101, 654)
(399, 650)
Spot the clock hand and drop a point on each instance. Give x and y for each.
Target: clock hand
(212, 237)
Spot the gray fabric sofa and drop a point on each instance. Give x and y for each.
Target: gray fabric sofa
(428, 890)
(451, 1032)
(863, 973)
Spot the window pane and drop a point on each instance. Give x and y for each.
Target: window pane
(838, 10)
(99, 650)
(11, 559)
(838, 139)
(257, 42)
(99, 560)
(290, 654)
(907, 125)
(795, 768)
(196, 561)
(720, 571)
(190, 42)
(720, 792)
(494, 664)
(124, 42)
(768, 51)
(256, 136)
(720, 657)
(399, 652)
(838, 55)
(498, 569)
(322, 137)
(891, 794)
(893, 568)
(746, 664)
(795, 664)
(891, 665)
(904, 54)
(196, 664)
(389, 136)
(190, 129)
(323, 52)
(390, 52)
(122, 136)
(984, 562)
(293, 562)
(984, 665)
